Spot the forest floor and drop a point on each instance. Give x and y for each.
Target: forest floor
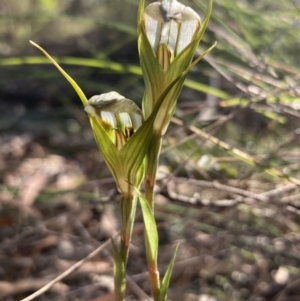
(239, 238)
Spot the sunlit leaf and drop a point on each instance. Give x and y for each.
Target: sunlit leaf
(69, 79)
(135, 149)
(151, 235)
(166, 280)
(140, 11)
(105, 145)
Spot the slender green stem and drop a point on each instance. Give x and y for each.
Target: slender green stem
(154, 279)
(128, 209)
(119, 291)
(149, 182)
(151, 168)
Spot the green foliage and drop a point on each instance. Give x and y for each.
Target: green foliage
(151, 242)
(151, 234)
(167, 277)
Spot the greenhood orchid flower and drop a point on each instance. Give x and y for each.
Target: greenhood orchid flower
(169, 34)
(120, 116)
(122, 135)
(170, 27)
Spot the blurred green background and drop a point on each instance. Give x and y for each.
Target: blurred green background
(256, 58)
(257, 53)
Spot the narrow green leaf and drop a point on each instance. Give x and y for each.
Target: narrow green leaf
(151, 235)
(167, 277)
(206, 89)
(119, 273)
(116, 67)
(271, 115)
(200, 57)
(140, 11)
(206, 20)
(69, 78)
(105, 145)
(134, 151)
(153, 74)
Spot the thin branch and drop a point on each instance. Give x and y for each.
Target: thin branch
(67, 272)
(227, 188)
(137, 290)
(238, 153)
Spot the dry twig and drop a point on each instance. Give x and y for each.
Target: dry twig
(66, 273)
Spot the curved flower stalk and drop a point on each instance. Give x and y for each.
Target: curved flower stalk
(168, 36)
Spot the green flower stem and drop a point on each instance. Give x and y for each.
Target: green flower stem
(151, 244)
(152, 160)
(151, 168)
(154, 279)
(128, 209)
(119, 291)
(119, 273)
